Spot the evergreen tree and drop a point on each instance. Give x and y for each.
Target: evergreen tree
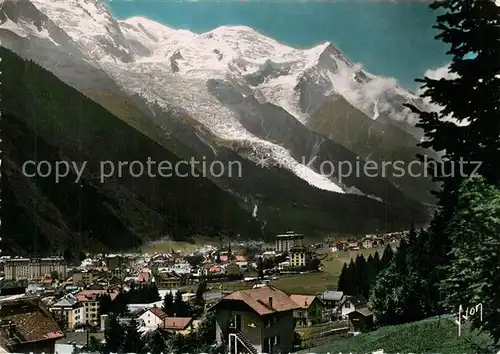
(469, 95)
(473, 274)
(361, 280)
(157, 342)
(206, 331)
(168, 304)
(105, 304)
(387, 256)
(199, 301)
(181, 308)
(350, 288)
(400, 257)
(114, 335)
(154, 294)
(371, 275)
(341, 285)
(133, 342)
(119, 304)
(377, 261)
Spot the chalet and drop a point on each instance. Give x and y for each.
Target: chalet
(27, 326)
(350, 303)
(360, 320)
(153, 317)
(367, 243)
(256, 321)
(168, 281)
(331, 299)
(310, 312)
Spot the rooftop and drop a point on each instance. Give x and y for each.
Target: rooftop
(304, 301)
(290, 234)
(157, 312)
(176, 323)
(332, 295)
(26, 320)
(258, 300)
(86, 295)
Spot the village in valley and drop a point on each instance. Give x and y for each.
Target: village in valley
(266, 298)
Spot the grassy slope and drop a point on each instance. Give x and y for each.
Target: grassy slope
(432, 335)
(45, 119)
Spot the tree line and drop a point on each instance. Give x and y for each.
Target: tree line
(456, 260)
(357, 277)
(138, 294)
(172, 305)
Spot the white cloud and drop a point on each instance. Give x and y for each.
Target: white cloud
(442, 72)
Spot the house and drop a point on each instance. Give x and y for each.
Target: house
(360, 320)
(331, 299)
(352, 246)
(368, 243)
(143, 278)
(242, 262)
(91, 303)
(114, 261)
(153, 317)
(119, 273)
(168, 281)
(69, 311)
(27, 326)
(179, 325)
(84, 277)
(283, 265)
(350, 303)
(310, 311)
(256, 321)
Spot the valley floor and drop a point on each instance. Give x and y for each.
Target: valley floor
(307, 283)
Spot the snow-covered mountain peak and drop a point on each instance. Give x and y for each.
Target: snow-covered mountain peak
(206, 75)
(90, 24)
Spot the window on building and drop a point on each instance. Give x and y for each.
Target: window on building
(347, 305)
(276, 340)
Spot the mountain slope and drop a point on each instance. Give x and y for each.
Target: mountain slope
(276, 102)
(141, 55)
(44, 119)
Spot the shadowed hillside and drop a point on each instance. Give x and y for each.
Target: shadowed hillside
(44, 119)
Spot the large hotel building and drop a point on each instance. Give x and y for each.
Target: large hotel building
(288, 240)
(34, 268)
